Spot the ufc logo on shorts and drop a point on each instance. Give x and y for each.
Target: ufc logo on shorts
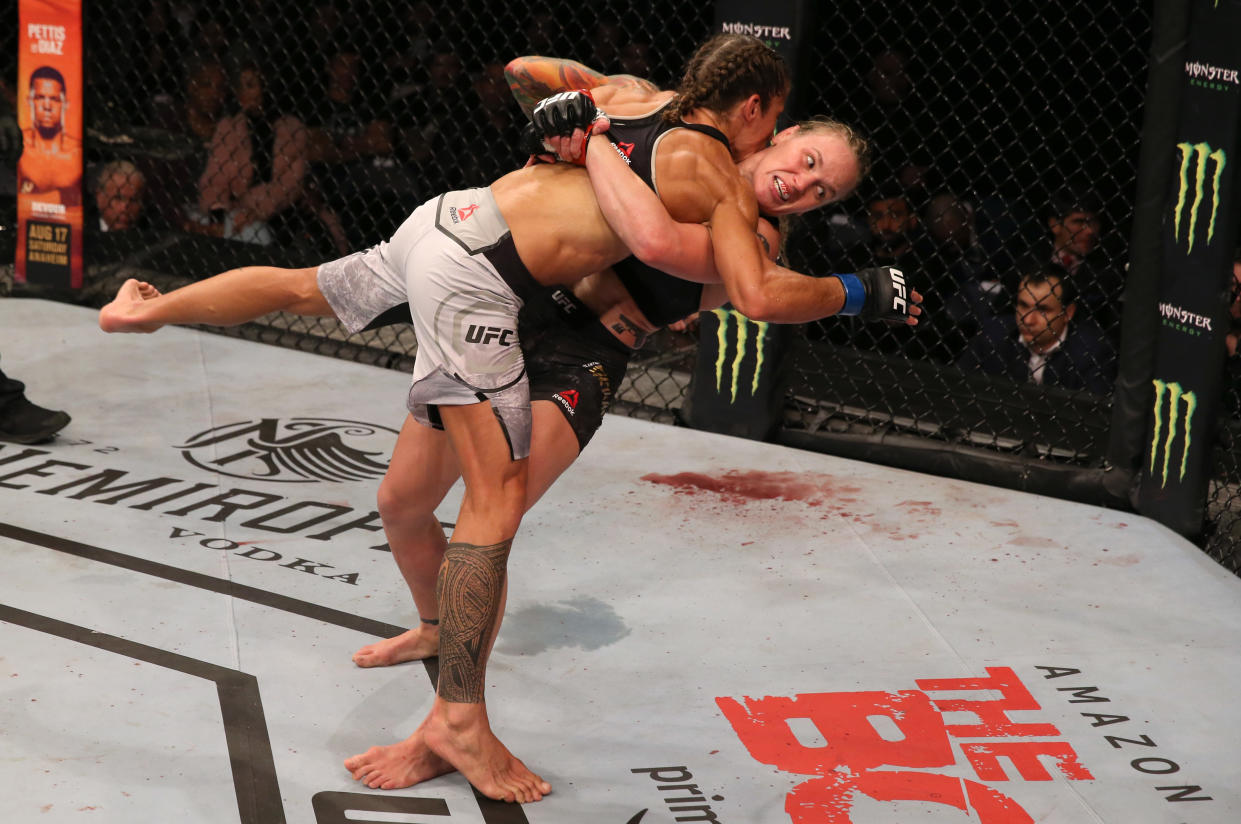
(487, 334)
(898, 288)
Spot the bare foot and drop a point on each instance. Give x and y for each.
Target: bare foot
(484, 761)
(147, 291)
(422, 641)
(399, 765)
(125, 312)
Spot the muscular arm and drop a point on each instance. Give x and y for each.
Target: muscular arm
(757, 287)
(533, 78)
(643, 224)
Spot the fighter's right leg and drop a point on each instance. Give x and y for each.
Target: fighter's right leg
(422, 470)
(407, 506)
(227, 299)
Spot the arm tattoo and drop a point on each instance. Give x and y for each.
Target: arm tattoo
(627, 326)
(468, 588)
(533, 78)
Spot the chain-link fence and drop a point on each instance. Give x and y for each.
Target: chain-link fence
(239, 133)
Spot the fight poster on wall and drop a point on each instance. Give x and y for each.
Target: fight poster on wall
(49, 173)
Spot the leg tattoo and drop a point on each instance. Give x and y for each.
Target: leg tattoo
(468, 588)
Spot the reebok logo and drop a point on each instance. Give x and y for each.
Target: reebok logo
(624, 150)
(463, 214)
(487, 334)
(568, 399)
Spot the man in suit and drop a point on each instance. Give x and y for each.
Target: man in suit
(1044, 341)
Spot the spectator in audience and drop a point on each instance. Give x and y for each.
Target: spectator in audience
(344, 125)
(895, 233)
(22, 421)
(973, 292)
(894, 117)
(161, 46)
(433, 131)
(119, 189)
(1074, 222)
(898, 239)
(255, 168)
(349, 136)
(204, 97)
(1045, 341)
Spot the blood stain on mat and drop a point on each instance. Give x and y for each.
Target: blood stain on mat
(1033, 541)
(737, 486)
(921, 508)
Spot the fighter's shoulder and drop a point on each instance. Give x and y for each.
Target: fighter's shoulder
(628, 100)
(696, 177)
(684, 153)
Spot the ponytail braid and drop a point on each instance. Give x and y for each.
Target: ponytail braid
(726, 70)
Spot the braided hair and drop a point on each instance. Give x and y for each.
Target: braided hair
(726, 70)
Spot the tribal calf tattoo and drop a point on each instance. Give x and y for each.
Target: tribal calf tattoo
(470, 582)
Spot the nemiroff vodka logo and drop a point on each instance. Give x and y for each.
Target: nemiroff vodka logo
(295, 450)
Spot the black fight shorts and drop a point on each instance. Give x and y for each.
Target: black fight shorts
(571, 360)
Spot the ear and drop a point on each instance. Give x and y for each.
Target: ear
(786, 133)
(752, 108)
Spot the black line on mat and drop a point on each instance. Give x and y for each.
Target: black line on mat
(196, 579)
(494, 812)
(241, 709)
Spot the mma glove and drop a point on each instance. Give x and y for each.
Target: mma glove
(558, 116)
(878, 293)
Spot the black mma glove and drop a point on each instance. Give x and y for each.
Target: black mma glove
(879, 293)
(532, 142)
(558, 116)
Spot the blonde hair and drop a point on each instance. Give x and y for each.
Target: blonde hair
(860, 146)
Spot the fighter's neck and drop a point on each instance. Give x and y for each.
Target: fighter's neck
(702, 117)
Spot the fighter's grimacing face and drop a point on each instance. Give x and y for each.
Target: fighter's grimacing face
(803, 170)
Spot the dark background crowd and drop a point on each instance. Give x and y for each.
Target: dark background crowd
(1004, 149)
(1005, 145)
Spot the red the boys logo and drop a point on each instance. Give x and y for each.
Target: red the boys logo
(856, 758)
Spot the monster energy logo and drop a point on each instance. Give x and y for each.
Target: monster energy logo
(1175, 395)
(1198, 155)
(721, 335)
